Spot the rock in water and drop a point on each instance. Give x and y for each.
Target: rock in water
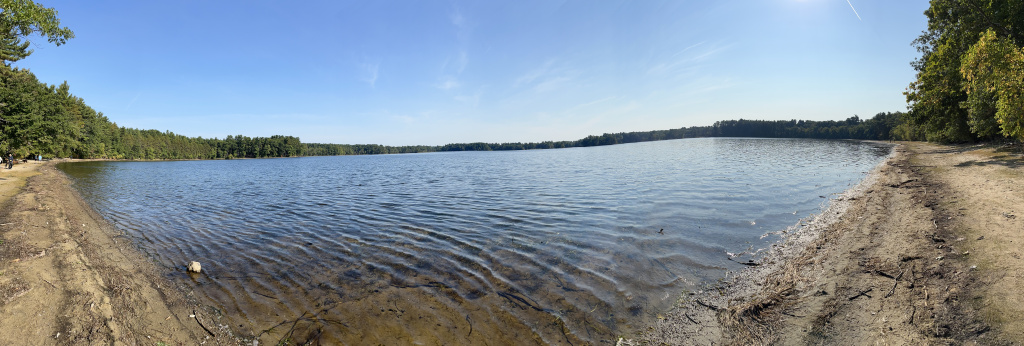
(194, 267)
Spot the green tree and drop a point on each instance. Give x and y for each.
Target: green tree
(937, 95)
(994, 70)
(13, 49)
(21, 18)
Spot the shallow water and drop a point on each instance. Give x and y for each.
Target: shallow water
(545, 246)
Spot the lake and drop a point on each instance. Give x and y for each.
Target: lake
(520, 247)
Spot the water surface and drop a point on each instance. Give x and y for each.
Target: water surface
(542, 246)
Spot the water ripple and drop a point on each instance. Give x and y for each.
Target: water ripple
(566, 244)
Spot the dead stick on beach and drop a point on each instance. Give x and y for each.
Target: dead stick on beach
(712, 307)
(691, 319)
(44, 280)
(863, 293)
(894, 283)
(196, 316)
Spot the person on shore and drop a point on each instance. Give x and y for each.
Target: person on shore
(10, 161)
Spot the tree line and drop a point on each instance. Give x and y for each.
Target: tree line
(883, 126)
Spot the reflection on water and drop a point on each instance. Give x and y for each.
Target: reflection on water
(545, 246)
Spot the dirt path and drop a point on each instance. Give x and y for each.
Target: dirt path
(927, 254)
(66, 277)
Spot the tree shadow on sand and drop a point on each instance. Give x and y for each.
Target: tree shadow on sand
(1005, 160)
(1007, 154)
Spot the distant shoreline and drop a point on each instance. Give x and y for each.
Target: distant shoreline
(434, 152)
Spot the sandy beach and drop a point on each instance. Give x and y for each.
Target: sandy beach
(67, 278)
(922, 252)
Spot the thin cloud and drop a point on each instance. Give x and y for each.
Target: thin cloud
(708, 84)
(547, 77)
(854, 10)
(463, 31)
(448, 83)
(455, 66)
(370, 73)
(529, 77)
(408, 120)
(574, 109)
(591, 103)
(132, 102)
(471, 100)
(690, 47)
(688, 61)
(462, 61)
(458, 20)
(551, 84)
(459, 64)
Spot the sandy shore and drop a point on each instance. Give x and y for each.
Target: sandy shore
(67, 277)
(925, 251)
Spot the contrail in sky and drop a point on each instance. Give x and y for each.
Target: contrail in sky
(854, 10)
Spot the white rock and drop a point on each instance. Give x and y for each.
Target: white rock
(194, 267)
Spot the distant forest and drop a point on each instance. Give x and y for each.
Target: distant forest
(968, 88)
(883, 126)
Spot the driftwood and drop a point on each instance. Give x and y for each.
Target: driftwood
(712, 307)
(894, 283)
(691, 319)
(750, 263)
(863, 293)
(44, 280)
(196, 316)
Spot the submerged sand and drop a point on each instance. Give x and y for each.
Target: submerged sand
(922, 252)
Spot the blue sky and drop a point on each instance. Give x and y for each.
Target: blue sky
(437, 72)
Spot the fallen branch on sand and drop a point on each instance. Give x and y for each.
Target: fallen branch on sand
(747, 263)
(196, 316)
(879, 272)
(690, 318)
(792, 315)
(895, 282)
(863, 293)
(44, 280)
(712, 307)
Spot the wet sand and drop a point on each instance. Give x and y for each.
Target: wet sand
(67, 277)
(925, 251)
